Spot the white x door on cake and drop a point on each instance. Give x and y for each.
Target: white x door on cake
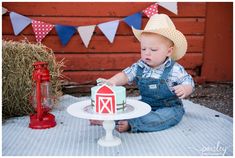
(105, 100)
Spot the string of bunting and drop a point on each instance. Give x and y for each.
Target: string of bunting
(65, 32)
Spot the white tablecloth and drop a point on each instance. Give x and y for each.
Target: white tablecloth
(199, 133)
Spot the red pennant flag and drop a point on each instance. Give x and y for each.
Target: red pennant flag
(151, 10)
(41, 29)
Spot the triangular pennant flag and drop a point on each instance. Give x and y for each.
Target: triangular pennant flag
(171, 6)
(86, 33)
(4, 10)
(65, 33)
(41, 29)
(19, 22)
(109, 29)
(151, 10)
(134, 20)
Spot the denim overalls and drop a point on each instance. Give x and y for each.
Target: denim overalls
(167, 108)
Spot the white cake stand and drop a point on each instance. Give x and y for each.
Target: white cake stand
(133, 109)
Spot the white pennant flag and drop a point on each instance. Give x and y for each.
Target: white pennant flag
(86, 33)
(109, 29)
(4, 10)
(171, 6)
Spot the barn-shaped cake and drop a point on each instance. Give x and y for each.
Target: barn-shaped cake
(105, 100)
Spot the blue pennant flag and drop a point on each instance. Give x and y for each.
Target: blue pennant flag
(65, 33)
(134, 20)
(19, 22)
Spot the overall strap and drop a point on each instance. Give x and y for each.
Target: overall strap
(139, 71)
(167, 70)
(139, 74)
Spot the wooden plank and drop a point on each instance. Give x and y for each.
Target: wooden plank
(101, 44)
(97, 61)
(191, 60)
(219, 46)
(190, 9)
(185, 9)
(116, 61)
(85, 89)
(188, 26)
(89, 77)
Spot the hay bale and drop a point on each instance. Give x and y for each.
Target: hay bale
(17, 60)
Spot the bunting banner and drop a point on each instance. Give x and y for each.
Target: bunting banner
(19, 22)
(171, 6)
(4, 10)
(134, 20)
(151, 10)
(109, 29)
(41, 29)
(86, 33)
(65, 32)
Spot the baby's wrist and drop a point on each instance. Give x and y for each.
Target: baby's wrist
(112, 83)
(188, 89)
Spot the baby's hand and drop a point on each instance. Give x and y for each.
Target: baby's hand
(96, 122)
(182, 91)
(101, 81)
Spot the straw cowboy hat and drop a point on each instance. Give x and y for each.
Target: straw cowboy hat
(162, 24)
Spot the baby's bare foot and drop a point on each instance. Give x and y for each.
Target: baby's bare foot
(123, 126)
(96, 122)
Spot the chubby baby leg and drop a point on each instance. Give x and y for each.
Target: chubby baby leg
(160, 119)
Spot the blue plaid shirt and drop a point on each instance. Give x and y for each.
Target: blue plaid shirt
(177, 76)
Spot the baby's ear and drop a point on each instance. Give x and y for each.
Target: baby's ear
(170, 51)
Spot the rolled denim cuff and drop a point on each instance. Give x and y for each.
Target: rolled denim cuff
(133, 127)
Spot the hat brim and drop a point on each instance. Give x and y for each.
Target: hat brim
(179, 40)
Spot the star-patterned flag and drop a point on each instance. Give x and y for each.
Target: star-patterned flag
(41, 29)
(151, 10)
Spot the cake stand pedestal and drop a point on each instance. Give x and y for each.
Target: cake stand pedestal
(109, 139)
(134, 108)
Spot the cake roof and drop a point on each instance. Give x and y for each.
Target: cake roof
(105, 90)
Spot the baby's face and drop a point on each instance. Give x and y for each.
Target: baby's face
(154, 49)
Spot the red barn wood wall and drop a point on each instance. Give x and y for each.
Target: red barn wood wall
(102, 59)
(218, 56)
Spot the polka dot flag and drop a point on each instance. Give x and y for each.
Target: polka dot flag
(41, 29)
(151, 10)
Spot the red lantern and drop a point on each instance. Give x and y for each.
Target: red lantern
(41, 98)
